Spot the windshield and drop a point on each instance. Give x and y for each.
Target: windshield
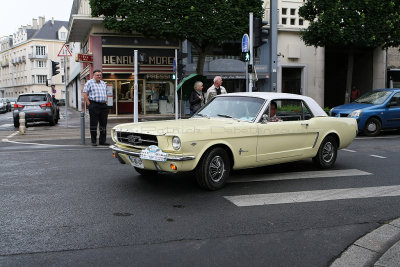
(375, 98)
(235, 107)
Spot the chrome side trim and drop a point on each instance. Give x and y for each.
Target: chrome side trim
(316, 139)
(137, 154)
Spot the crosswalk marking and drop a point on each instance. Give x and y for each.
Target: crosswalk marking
(312, 196)
(377, 156)
(298, 175)
(349, 150)
(7, 125)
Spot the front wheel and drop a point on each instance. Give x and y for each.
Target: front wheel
(213, 169)
(372, 127)
(327, 153)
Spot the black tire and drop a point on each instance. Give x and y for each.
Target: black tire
(147, 173)
(372, 127)
(213, 169)
(52, 122)
(16, 123)
(327, 153)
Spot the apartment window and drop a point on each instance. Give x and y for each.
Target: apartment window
(301, 22)
(41, 64)
(284, 11)
(292, 21)
(62, 36)
(292, 11)
(284, 21)
(40, 50)
(41, 79)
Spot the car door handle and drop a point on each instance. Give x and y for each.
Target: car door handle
(305, 124)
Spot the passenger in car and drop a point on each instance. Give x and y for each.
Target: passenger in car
(272, 109)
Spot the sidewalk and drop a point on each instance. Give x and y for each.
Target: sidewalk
(379, 248)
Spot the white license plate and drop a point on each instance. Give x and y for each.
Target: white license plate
(136, 162)
(153, 153)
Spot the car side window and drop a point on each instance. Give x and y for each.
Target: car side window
(395, 101)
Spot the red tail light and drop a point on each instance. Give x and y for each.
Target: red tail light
(48, 104)
(18, 106)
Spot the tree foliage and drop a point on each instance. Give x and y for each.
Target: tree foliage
(205, 23)
(352, 23)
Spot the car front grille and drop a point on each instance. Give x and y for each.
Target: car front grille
(137, 139)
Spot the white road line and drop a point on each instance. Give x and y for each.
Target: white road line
(313, 196)
(377, 156)
(348, 150)
(7, 125)
(298, 175)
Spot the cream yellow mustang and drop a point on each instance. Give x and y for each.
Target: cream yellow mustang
(235, 131)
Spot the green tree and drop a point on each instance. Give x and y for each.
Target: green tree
(205, 23)
(351, 24)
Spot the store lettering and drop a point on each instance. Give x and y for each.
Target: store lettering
(161, 60)
(130, 60)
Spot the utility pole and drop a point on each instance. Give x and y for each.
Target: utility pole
(273, 50)
(251, 51)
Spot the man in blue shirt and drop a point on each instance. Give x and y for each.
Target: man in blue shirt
(95, 95)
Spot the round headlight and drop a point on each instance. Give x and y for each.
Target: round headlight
(115, 136)
(176, 143)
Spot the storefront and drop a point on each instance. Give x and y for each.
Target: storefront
(156, 88)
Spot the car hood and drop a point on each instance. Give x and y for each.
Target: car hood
(182, 126)
(352, 106)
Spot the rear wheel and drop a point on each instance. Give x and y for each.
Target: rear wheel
(372, 127)
(327, 153)
(52, 121)
(213, 169)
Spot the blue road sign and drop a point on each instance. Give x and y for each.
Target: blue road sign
(174, 65)
(245, 43)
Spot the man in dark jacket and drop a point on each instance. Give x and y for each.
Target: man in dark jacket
(196, 99)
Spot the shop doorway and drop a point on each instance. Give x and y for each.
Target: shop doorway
(291, 80)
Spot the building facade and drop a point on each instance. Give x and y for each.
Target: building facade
(25, 58)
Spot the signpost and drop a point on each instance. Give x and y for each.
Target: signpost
(64, 52)
(245, 49)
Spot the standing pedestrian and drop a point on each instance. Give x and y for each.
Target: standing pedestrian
(215, 89)
(196, 99)
(95, 95)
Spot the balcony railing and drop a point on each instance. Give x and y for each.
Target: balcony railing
(35, 56)
(5, 63)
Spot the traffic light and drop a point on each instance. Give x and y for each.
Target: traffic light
(245, 56)
(55, 69)
(250, 68)
(260, 32)
(181, 67)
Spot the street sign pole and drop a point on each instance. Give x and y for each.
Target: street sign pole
(176, 85)
(245, 49)
(66, 93)
(251, 50)
(135, 88)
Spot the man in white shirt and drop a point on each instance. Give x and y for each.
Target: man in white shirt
(215, 89)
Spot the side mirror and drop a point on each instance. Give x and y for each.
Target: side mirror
(265, 118)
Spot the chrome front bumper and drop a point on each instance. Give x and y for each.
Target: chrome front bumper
(137, 154)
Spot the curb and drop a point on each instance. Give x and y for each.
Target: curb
(379, 246)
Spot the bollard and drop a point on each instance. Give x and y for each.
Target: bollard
(22, 127)
(82, 128)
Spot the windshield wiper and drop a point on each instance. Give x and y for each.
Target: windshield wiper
(201, 115)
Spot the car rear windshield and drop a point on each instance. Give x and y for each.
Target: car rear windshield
(32, 98)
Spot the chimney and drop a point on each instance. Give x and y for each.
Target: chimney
(41, 21)
(34, 23)
(52, 20)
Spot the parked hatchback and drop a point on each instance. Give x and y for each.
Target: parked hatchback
(6, 105)
(37, 107)
(375, 111)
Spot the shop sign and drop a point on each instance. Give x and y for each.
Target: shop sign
(83, 58)
(130, 60)
(158, 76)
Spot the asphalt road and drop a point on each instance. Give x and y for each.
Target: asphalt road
(78, 206)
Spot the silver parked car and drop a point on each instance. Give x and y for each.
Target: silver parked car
(5, 105)
(37, 107)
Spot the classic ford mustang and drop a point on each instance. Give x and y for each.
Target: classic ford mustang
(235, 131)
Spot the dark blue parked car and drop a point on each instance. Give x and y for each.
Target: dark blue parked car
(374, 111)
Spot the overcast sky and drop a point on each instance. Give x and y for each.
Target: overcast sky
(14, 13)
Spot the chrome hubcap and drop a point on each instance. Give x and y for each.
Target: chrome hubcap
(216, 169)
(371, 127)
(328, 152)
